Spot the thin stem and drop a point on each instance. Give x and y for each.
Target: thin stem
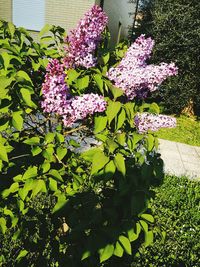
(20, 156)
(75, 130)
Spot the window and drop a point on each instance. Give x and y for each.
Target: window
(29, 14)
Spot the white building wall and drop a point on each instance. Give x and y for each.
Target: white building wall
(118, 12)
(66, 13)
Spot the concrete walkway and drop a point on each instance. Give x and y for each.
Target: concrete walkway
(180, 159)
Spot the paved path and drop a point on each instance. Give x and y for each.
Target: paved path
(180, 159)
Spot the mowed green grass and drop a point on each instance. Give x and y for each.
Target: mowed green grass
(187, 131)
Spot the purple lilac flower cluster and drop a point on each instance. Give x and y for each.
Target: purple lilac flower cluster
(79, 107)
(134, 76)
(54, 88)
(82, 41)
(56, 97)
(148, 121)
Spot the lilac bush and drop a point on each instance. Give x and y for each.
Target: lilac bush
(85, 190)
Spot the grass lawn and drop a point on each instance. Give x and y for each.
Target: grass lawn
(187, 131)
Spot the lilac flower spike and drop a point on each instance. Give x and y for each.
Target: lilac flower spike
(148, 121)
(54, 88)
(82, 41)
(134, 76)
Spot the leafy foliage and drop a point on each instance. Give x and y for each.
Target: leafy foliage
(58, 203)
(175, 27)
(187, 131)
(176, 211)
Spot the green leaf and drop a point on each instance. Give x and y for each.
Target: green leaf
(120, 163)
(72, 75)
(17, 120)
(31, 172)
(150, 142)
(89, 154)
(32, 141)
(136, 139)
(99, 81)
(99, 161)
(3, 226)
(23, 192)
(133, 234)
(83, 83)
(36, 150)
(45, 29)
(118, 250)
(21, 255)
(45, 166)
(56, 175)
(6, 59)
(22, 75)
(129, 107)
(39, 185)
(48, 153)
(11, 28)
(147, 217)
(154, 108)
(4, 83)
(148, 238)
(1, 165)
(110, 167)
(20, 204)
(61, 202)
(106, 253)
(117, 92)
(18, 178)
(121, 138)
(144, 225)
(73, 143)
(86, 255)
(111, 145)
(3, 153)
(106, 58)
(125, 244)
(49, 138)
(60, 138)
(53, 185)
(13, 188)
(26, 95)
(121, 119)
(61, 152)
(99, 124)
(112, 110)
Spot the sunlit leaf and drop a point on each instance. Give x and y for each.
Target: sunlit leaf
(106, 253)
(125, 244)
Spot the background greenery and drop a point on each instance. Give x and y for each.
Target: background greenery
(187, 131)
(175, 27)
(176, 210)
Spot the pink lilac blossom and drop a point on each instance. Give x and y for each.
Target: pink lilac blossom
(80, 107)
(54, 88)
(148, 121)
(82, 41)
(134, 76)
(56, 97)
